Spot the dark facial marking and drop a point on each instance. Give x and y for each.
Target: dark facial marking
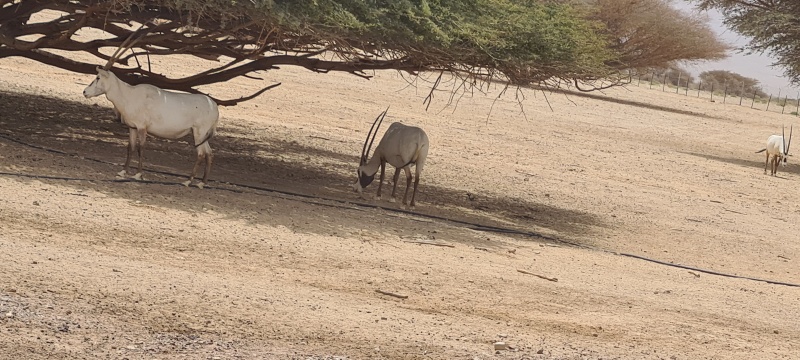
(364, 180)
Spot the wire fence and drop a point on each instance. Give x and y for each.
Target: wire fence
(728, 93)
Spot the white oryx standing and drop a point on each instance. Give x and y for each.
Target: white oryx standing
(401, 146)
(147, 109)
(777, 150)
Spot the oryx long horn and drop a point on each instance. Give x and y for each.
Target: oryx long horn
(783, 137)
(127, 44)
(790, 139)
(378, 121)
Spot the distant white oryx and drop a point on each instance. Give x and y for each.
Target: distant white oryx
(777, 150)
(401, 146)
(147, 109)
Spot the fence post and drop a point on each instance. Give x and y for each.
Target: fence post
(797, 112)
(741, 94)
(639, 79)
(678, 88)
(712, 92)
(699, 86)
(725, 96)
(752, 105)
(785, 99)
(664, 84)
(769, 101)
(652, 75)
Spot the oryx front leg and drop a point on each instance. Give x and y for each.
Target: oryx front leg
(132, 141)
(383, 172)
(141, 135)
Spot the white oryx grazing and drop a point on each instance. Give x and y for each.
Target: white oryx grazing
(777, 150)
(401, 147)
(147, 109)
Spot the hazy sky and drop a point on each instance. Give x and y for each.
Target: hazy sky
(753, 66)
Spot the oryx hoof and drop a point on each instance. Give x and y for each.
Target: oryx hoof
(138, 176)
(200, 185)
(187, 183)
(122, 173)
(392, 200)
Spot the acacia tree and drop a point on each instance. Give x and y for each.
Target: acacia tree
(772, 25)
(521, 42)
(652, 34)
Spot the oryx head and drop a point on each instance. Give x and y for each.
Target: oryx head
(363, 178)
(786, 144)
(105, 77)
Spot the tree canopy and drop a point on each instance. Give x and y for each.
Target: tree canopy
(519, 41)
(652, 34)
(773, 27)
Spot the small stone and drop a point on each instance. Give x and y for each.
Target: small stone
(500, 346)
(131, 347)
(36, 203)
(502, 336)
(541, 351)
(9, 314)
(775, 331)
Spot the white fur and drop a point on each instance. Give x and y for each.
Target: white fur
(146, 109)
(401, 146)
(777, 152)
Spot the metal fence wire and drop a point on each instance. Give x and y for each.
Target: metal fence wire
(728, 93)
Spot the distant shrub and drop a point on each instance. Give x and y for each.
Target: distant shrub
(736, 84)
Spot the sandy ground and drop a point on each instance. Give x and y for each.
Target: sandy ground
(279, 259)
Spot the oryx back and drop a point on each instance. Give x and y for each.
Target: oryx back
(173, 115)
(402, 145)
(775, 145)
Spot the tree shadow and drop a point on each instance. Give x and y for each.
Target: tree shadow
(631, 103)
(310, 185)
(789, 168)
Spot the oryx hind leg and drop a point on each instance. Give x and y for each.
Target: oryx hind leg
(394, 184)
(407, 170)
(209, 161)
(416, 184)
(203, 155)
(766, 163)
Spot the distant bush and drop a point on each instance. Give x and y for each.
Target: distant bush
(736, 84)
(675, 76)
